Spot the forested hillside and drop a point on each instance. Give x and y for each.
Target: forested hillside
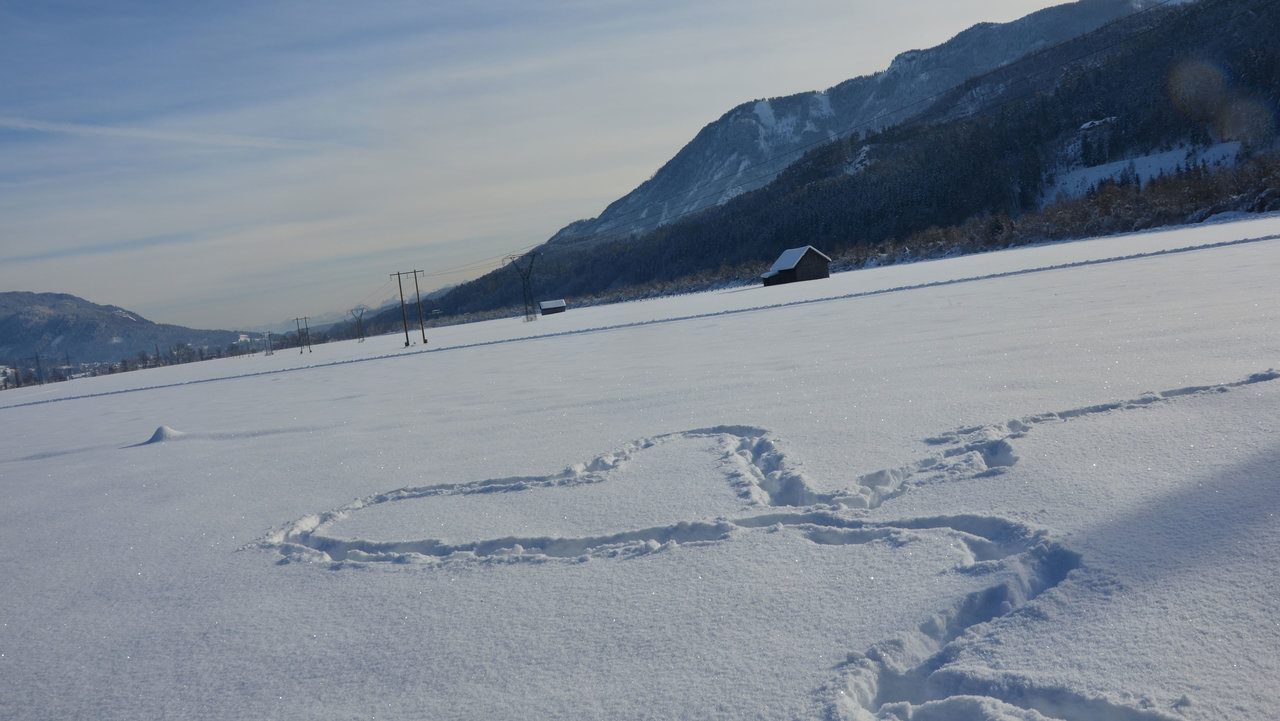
(748, 146)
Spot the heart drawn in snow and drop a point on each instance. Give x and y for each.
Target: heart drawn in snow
(697, 487)
(705, 486)
(694, 486)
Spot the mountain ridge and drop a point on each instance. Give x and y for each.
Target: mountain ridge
(61, 325)
(747, 147)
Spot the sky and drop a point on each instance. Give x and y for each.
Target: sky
(236, 165)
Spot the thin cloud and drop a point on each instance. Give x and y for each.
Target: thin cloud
(106, 248)
(218, 140)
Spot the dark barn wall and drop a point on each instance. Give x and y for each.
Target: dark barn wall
(812, 267)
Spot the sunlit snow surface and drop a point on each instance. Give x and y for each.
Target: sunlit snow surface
(1033, 484)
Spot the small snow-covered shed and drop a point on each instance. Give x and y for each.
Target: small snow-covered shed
(795, 264)
(551, 306)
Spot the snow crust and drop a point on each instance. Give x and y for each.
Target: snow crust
(1035, 484)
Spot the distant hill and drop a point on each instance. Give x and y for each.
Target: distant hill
(58, 326)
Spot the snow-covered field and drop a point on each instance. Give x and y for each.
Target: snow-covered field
(1041, 483)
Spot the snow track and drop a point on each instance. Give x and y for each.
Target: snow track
(904, 677)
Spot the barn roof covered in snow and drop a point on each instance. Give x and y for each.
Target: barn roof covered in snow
(791, 257)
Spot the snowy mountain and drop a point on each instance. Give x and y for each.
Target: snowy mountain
(747, 147)
(62, 326)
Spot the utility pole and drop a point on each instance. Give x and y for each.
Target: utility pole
(301, 324)
(358, 314)
(514, 262)
(403, 316)
(421, 325)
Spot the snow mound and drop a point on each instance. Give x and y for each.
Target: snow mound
(164, 433)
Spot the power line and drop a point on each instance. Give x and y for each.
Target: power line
(421, 326)
(525, 281)
(303, 330)
(378, 294)
(403, 315)
(357, 313)
(489, 261)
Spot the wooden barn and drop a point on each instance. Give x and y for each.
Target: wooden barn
(547, 307)
(807, 263)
